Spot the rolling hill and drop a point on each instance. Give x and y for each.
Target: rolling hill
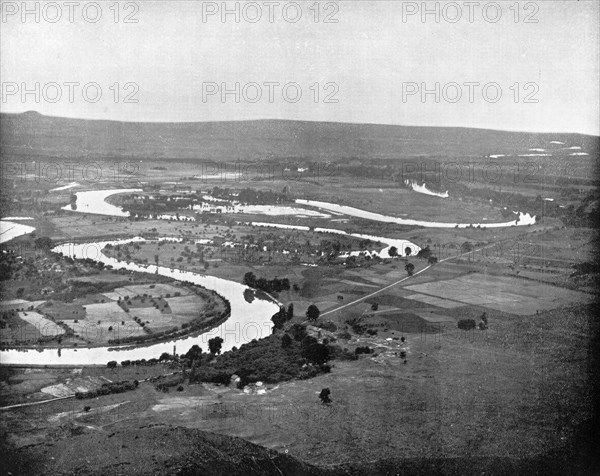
(32, 134)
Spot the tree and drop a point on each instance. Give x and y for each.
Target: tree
(290, 311)
(214, 345)
(313, 313)
(250, 279)
(483, 325)
(313, 351)
(195, 353)
(374, 306)
(410, 268)
(164, 356)
(279, 318)
(324, 396)
(298, 331)
(112, 364)
(424, 253)
(393, 252)
(286, 341)
(407, 251)
(44, 243)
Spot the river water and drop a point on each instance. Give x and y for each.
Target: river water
(248, 320)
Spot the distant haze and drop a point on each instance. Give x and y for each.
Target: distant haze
(368, 54)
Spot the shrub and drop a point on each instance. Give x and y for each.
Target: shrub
(286, 341)
(336, 352)
(363, 350)
(466, 324)
(298, 331)
(328, 326)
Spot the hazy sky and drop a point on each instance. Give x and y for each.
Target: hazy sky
(371, 55)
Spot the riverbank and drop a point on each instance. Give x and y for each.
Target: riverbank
(247, 320)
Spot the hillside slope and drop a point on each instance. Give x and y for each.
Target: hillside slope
(33, 134)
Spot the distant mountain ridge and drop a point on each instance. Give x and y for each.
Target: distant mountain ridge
(33, 134)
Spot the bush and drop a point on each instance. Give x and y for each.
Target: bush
(171, 381)
(363, 350)
(108, 388)
(336, 352)
(466, 324)
(328, 326)
(298, 331)
(286, 341)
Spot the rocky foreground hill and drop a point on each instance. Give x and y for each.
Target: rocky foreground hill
(171, 450)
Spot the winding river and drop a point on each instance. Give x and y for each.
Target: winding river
(522, 220)
(248, 320)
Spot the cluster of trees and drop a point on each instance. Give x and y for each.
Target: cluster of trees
(109, 388)
(282, 316)
(267, 285)
(161, 204)
(393, 251)
(272, 359)
(143, 362)
(168, 382)
(425, 253)
(256, 197)
(356, 325)
(470, 324)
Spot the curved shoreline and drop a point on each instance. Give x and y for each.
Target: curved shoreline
(247, 321)
(186, 332)
(523, 220)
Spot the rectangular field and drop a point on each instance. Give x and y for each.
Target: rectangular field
(434, 301)
(45, 326)
(502, 293)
